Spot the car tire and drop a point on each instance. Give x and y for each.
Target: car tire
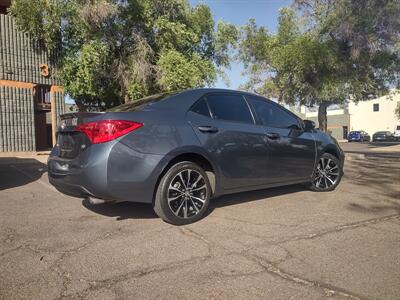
(327, 174)
(183, 194)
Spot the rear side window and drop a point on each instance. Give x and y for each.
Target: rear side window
(201, 108)
(137, 105)
(230, 108)
(272, 115)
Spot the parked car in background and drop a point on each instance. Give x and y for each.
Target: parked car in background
(383, 136)
(176, 151)
(358, 136)
(397, 133)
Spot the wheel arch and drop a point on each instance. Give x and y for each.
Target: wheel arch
(333, 151)
(192, 155)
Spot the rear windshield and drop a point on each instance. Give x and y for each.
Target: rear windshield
(382, 132)
(140, 103)
(354, 132)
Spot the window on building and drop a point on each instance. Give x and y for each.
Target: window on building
(42, 97)
(376, 107)
(229, 107)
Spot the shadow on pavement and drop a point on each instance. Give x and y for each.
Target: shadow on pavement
(131, 210)
(250, 196)
(122, 210)
(374, 208)
(381, 175)
(15, 172)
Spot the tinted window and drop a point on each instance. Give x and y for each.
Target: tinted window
(201, 108)
(140, 103)
(272, 115)
(229, 107)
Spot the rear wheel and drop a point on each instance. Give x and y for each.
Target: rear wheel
(183, 194)
(327, 174)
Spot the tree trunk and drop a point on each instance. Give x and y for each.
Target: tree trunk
(80, 105)
(322, 116)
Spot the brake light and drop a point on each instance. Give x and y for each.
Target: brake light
(107, 130)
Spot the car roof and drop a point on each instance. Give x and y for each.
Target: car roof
(185, 99)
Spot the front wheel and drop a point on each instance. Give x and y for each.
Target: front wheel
(327, 174)
(183, 194)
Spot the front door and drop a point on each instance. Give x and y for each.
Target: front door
(226, 128)
(292, 151)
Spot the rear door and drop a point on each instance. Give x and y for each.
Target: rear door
(292, 151)
(226, 128)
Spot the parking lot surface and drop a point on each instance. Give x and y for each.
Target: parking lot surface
(279, 243)
(382, 149)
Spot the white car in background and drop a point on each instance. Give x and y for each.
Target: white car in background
(397, 133)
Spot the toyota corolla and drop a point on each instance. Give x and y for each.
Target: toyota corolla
(177, 151)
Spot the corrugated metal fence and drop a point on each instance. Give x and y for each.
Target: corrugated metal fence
(21, 59)
(21, 56)
(17, 128)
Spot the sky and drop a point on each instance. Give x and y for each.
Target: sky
(238, 12)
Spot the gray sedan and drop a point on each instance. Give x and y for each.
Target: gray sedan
(176, 151)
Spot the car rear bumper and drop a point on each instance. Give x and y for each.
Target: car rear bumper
(110, 171)
(381, 139)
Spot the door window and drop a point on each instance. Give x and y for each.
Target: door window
(229, 107)
(201, 108)
(272, 115)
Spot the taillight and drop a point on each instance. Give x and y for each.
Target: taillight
(106, 130)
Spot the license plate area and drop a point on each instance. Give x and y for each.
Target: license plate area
(71, 144)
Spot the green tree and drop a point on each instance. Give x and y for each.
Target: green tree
(336, 55)
(291, 65)
(117, 51)
(397, 111)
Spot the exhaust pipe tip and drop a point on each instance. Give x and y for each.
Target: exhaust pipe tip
(95, 201)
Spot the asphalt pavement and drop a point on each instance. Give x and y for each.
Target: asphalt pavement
(382, 149)
(280, 243)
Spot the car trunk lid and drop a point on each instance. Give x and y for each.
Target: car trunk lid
(70, 141)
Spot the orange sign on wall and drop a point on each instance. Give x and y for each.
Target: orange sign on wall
(44, 70)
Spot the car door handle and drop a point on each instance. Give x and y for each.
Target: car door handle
(273, 135)
(208, 129)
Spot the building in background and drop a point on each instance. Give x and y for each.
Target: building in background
(375, 115)
(31, 97)
(338, 119)
(370, 115)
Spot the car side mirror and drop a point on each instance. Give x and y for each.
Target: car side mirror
(308, 125)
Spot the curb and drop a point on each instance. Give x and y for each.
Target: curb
(361, 155)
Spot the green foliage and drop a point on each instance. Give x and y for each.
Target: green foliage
(366, 35)
(347, 50)
(293, 66)
(178, 71)
(116, 51)
(40, 18)
(136, 90)
(397, 111)
(85, 73)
